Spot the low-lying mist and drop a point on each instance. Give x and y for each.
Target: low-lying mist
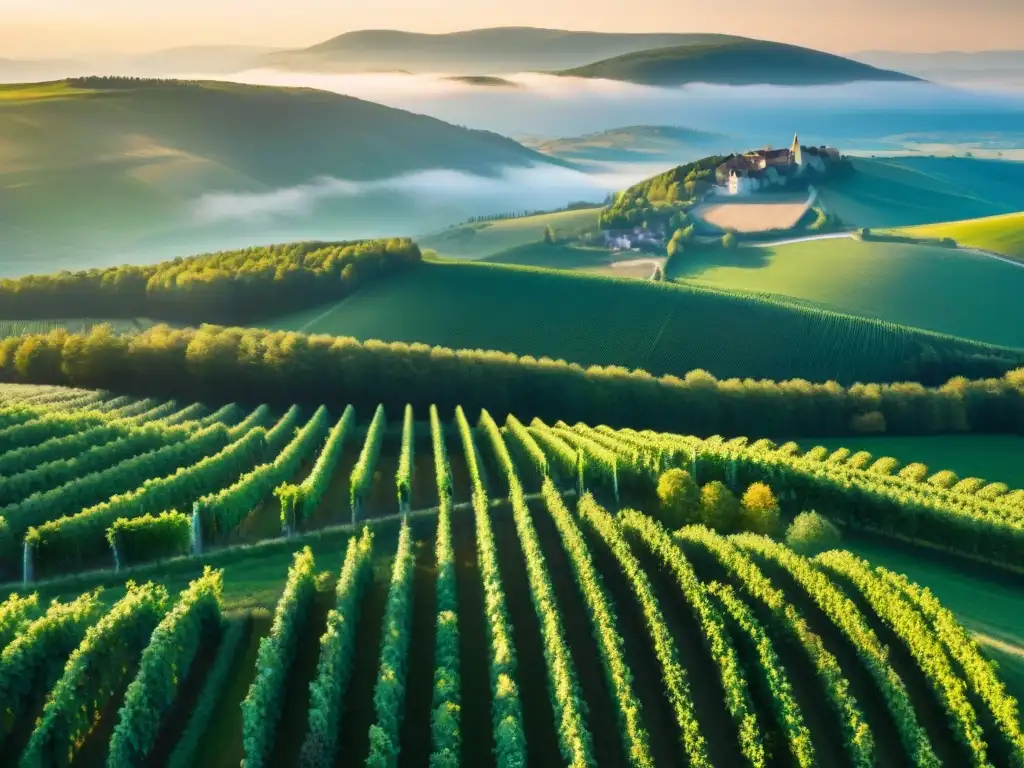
(559, 106)
(421, 197)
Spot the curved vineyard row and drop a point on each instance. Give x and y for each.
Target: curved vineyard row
(368, 666)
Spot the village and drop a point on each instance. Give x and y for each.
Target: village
(760, 191)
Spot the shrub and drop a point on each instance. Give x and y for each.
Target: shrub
(759, 511)
(679, 498)
(868, 423)
(719, 508)
(915, 472)
(810, 534)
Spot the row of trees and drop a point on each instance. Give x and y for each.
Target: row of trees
(228, 287)
(249, 365)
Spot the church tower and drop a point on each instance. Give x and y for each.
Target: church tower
(796, 153)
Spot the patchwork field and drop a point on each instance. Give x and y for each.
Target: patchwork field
(660, 327)
(485, 239)
(741, 216)
(999, 234)
(537, 611)
(904, 191)
(917, 285)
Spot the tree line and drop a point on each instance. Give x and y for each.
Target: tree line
(233, 287)
(249, 366)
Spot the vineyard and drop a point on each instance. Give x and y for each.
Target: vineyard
(474, 590)
(663, 328)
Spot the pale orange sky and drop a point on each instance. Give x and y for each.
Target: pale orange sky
(43, 28)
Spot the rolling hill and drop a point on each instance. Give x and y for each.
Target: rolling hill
(485, 239)
(590, 320)
(924, 286)
(733, 62)
(904, 191)
(488, 51)
(1003, 235)
(95, 165)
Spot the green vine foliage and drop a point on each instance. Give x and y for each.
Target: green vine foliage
(389, 693)
(96, 671)
(261, 708)
(34, 660)
(165, 665)
(337, 655)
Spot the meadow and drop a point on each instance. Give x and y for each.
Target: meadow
(923, 286)
(1002, 235)
(529, 612)
(591, 320)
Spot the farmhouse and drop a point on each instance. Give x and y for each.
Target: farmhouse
(764, 168)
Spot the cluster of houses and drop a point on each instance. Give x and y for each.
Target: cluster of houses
(764, 168)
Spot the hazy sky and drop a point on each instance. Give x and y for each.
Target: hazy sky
(42, 28)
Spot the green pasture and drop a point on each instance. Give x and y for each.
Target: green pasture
(940, 289)
(1000, 234)
(592, 320)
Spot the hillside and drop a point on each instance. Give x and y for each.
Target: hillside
(499, 50)
(903, 191)
(635, 143)
(533, 572)
(659, 327)
(999, 234)
(483, 239)
(89, 166)
(733, 62)
(923, 286)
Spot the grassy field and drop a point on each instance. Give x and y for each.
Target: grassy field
(904, 191)
(660, 327)
(999, 234)
(488, 238)
(996, 458)
(918, 285)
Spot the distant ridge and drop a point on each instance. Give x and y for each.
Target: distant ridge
(488, 51)
(734, 61)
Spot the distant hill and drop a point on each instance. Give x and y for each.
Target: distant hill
(473, 52)
(634, 143)
(736, 61)
(97, 164)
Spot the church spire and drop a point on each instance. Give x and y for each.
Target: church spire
(796, 155)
